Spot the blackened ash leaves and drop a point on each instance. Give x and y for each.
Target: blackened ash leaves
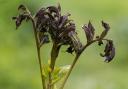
(18, 20)
(109, 49)
(104, 32)
(23, 15)
(60, 27)
(62, 30)
(106, 29)
(89, 32)
(109, 52)
(44, 39)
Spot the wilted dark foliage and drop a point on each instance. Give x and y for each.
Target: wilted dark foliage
(109, 51)
(49, 23)
(60, 27)
(89, 32)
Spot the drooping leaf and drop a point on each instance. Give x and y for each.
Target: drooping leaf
(63, 20)
(89, 31)
(19, 19)
(44, 39)
(106, 29)
(109, 52)
(23, 15)
(92, 29)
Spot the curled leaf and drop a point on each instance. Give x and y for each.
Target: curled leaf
(68, 29)
(23, 15)
(21, 7)
(63, 20)
(77, 45)
(54, 9)
(105, 25)
(106, 29)
(89, 31)
(109, 52)
(44, 39)
(19, 19)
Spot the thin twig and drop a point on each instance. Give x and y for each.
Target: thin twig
(75, 60)
(69, 72)
(38, 52)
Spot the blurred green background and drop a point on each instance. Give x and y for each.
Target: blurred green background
(18, 60)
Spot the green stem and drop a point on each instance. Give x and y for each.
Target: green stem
(70, 70)
(74, 62)
(38, 52)
(54, 55)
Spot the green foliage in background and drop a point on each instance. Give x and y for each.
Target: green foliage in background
(18, 64)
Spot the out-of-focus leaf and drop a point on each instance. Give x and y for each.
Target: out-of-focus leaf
(46, 71)
(21, 7)
(60, 73)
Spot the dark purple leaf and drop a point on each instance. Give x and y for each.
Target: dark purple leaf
(105, 25)
(106, 29)
(109, 51)
(92, 29)
(68, 29)
(44, 39)
(54, 9)
(63, 20)
(89, 31)
(19, 19)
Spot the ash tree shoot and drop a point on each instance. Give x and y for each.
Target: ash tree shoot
(49, 25)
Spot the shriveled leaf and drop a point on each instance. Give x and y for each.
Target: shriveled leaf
(89, 31)
(77, 45)
(21, 7)
(44, 39)
(63, 20)
(92, 29)
(54, 9)
(106, 29)
(105, 25)
(23, 15)
(68, 29)
(19, 19)
(109, 52)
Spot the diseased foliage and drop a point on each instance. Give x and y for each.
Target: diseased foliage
(49, 23)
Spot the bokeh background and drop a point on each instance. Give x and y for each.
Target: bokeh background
(18, 60)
